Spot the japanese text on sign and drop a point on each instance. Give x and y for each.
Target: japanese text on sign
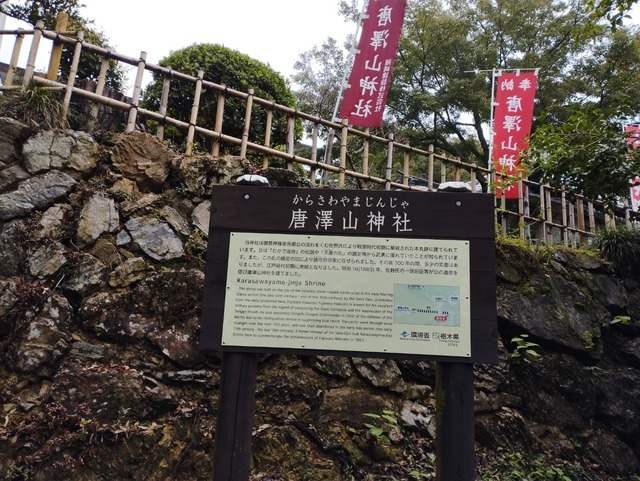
(317, 210)
(515, 95)
(309, 292)
(366, 92)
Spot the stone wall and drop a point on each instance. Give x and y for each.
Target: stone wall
(101, 274)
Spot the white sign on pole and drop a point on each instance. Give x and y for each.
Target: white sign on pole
(339, 293)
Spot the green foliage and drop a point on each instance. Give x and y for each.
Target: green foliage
(38, 107)
(520, 467)
(229, 67)
(524, 349)
(580, 142)
(622, 320)
(614, 11)
(587, 340)
(441, 92)
(620, 246)
(31, 11)
(387, 428)
(317, 72)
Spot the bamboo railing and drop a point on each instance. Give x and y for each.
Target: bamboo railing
(541, 213)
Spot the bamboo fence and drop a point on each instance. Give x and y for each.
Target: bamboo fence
(540, 214)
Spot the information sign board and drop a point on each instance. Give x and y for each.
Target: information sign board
(377, 274)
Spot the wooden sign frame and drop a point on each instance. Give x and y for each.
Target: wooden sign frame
(410, 216)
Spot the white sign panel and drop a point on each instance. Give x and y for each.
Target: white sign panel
(339, 293)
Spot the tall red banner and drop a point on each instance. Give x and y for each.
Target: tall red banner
(366, 93)
(513, 115)
(633, 140)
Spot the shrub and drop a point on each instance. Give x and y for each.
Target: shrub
(38, 107)
(621, 247)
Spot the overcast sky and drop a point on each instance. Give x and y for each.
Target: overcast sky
(272, 31)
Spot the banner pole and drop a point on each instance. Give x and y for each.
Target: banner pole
(352, 55)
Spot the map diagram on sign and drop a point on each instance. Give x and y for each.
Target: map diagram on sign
(427, 305)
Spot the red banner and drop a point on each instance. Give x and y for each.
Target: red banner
(365, 95)
(633, 140)
(515, 94)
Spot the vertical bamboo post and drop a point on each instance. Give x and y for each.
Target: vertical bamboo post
(365, 157)
(387, 185)
(291, 139)
(314, 155)
(215, 149)
(56, 52)
(328, 154)
(72, 75)
(609, 217)
(193, 119)
(581, 222)
(95, 107)
(247, 124)
(592, 218)
(405, 168)
(267, 137)
(503, 208)
(543, 213)
(627, 214)
(430, 167)
(549, 207)
(456, 169)
(565, 236)
(572, 223)
(521, 226)
(15, 56)
(135, 98)
(33, 53)
(443, 172)
(343, 151)
(164, 101)
(473, 180)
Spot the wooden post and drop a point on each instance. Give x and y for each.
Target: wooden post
(430, 168)
(405, 169)
(343, 151)
(232, 459)
(455, 430)
(267, 138)
(135, 97)
(565, 232)
(592, 217)
(15, 56)
(215, 150)
(387, 185)
(521, 218)
(95, 108)
(247, 124)
(543, 213)
(164, 100)
(365, 158)
(581, 221)
(33, 53)
(193, 119)
(314, 156)
(73, 72)
(56, 52)
(291, 140)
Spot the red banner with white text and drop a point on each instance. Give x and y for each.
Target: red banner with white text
(633, 141)
(365, 95)
(513, 115)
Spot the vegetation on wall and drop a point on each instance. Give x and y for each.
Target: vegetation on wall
(236, 71)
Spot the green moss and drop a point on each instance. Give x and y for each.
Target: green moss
(587, 340)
